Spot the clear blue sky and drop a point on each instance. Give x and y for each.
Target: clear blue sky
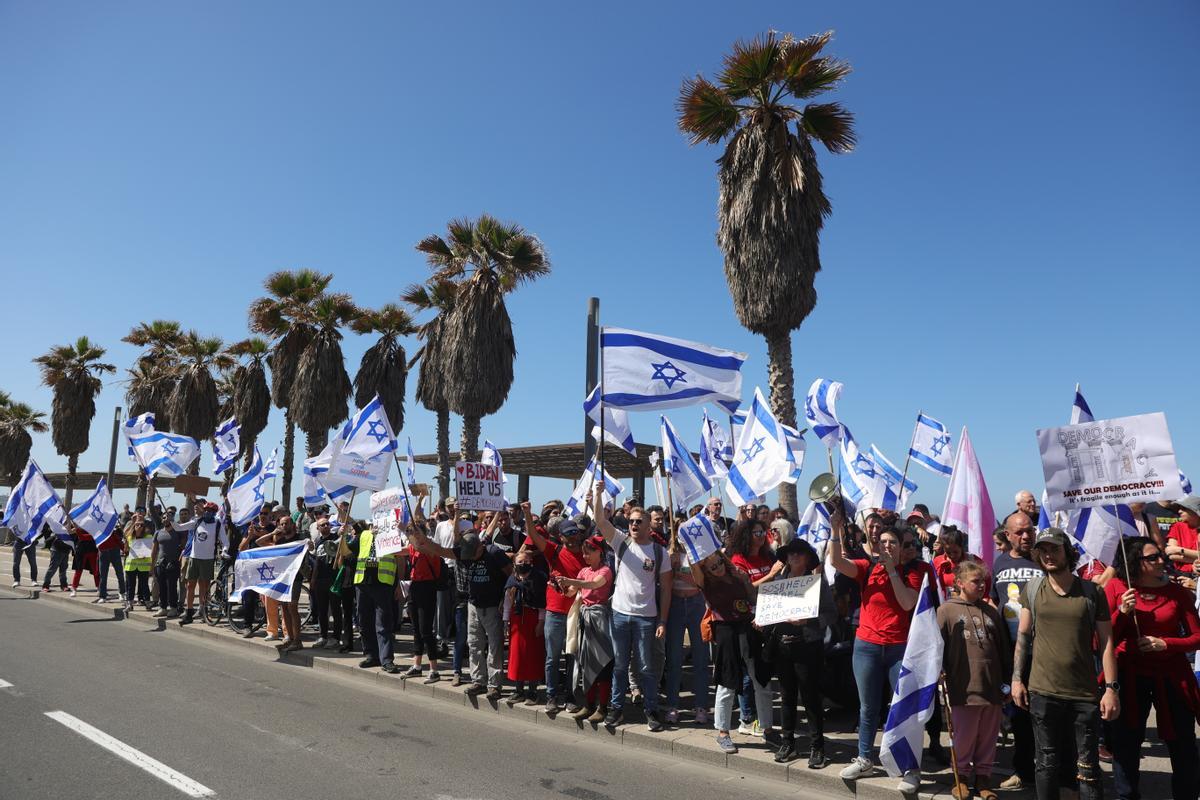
(1021, 213)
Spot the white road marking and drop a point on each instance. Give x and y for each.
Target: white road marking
(5, 684)
(136, 757)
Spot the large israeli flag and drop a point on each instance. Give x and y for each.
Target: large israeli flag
(269, 571)
(616, 423)
(97, 514)
(32, 504)
(648, 372)
(698, 538)
(798, 447)
(369, 433)
(713, 445)
(246, 496)
(577, 503)
(864, 474)
(687, 480)
(227, 443)
(158, 452)
(915, 691)
(1099, 530)
(930, 446)
(762, 459)
(816, 529)
(318, 487)
(138, 426)
(820, 407)
(897, 497)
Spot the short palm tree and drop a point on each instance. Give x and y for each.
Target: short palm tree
(73, 371)
(438, 296)
(321, 388)
(279, 315)
(17, 422)
(383, 369)
(488, 259)
(195, 402)
(251, 397)
(771, 206)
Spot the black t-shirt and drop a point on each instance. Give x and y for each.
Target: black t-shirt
(1011, 575)
(485, 576)
(509, 541)
(1165, 517)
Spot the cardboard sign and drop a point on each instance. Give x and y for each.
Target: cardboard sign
(191, 485)
(141, 548)
(387, 508)
(479, 487)
(347, 469)
(1109, 461)
(788, 600)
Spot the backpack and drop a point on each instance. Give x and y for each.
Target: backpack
(1035, 584)
(658, 555)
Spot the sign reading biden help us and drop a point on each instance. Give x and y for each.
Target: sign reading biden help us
(1109, 461)
(480, 487)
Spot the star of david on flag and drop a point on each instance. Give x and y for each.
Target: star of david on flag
(758, 468)
(226, 445)
(713, 444)
(930, 445)
(698, 538)
(687, 481)
(820, 407)
(916, 689)
(32, 504)
(158, 452)
(245, 495)
(798, 447)
(661, 370)
(369, 433)
(646, 371)
(268, 571)
(897, 498)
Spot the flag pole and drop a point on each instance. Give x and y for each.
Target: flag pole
(907, 459)
(942, 690)
(1121, 544)
(670, 504)
(403, 488)
(600, 444)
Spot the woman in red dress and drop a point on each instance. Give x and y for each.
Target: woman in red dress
(525, 605)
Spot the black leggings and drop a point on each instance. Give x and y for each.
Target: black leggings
(799, 669)
(422, 607)
(326, 603)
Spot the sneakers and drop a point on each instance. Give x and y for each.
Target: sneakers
(787, 749)
(271, 637)
(672, 717)
(98, 600)
(910, 782)
(757, 730)
(294, 646)
(434, 677)
(458, 679)
(614, 718)
(817, 759)
(73, 592)
(390, 668)
(552, 706)
(162, 612)
(319, 644)
(368, 662)
(532, 700)
(494, 694)
(746, 728)
(726, 744)
(46, 589)
(573, 707)
(654, 722)
(16, 584)
(174, 614)
(246, 634)
(858, 768)
(702, 717)
(1012, 783)
(188, 617)
(413, 672)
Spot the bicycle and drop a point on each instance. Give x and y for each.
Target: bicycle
(214, 610)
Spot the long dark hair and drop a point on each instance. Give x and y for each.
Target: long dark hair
(1131, 551)
(741, 536)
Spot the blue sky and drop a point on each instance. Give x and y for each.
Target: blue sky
(1020, 214)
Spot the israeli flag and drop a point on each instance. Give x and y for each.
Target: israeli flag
(491, 455)
(698, 538)
(246, 496)
(97, 514)
(227, 443)
(318, 489)
(814, 525)
(820, 407)
(864, 474)
(713, 444)
(268, 571)
(411, 471)
(892, 477)
(737, 421)
(762, 460)
(140, 425)
(32, 504)
(915, 691)
(930, 446)
(798, 447)
(616, 423)
(1080, 410)
(648, 372)
(577, 503)
(687, 481)
(157, 452)
(1099, 530)
(369, 433)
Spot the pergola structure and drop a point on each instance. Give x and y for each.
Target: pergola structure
(86, 481)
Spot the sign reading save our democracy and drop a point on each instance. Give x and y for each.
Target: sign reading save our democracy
(788, 600)
(1109, 461)
(479, 487)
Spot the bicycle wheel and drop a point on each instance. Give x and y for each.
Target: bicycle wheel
(214, 610)
(308, 614)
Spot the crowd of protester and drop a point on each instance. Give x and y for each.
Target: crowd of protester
(588, 614)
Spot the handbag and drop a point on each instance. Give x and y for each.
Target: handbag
(706, 623)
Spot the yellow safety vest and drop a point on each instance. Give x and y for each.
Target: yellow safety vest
(137, 564)
(385, 566)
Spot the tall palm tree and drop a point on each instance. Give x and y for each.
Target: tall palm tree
(489, 259)
(321, 388)
(279, 316)
(153, 377)
(73, 371)
(195, 402)
(251, 399)
(771, 206)
(17, 422)
(439, 296)
(384, 368)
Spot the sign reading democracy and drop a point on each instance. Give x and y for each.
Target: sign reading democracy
(480, 487)
(788, 600)
(385, 521)
(1109, 461)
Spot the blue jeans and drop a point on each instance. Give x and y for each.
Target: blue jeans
(555, 629)
(111, 559)
(629, 632)
(460, 639)
(30, 554)
(872, 663)
(686, 613)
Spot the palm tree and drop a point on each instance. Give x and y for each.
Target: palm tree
(489, 259)
(17, 421)
(73, 371)
(251, 397)
(384, 368)
(195, 401)
(439, 296)
(771, 206)
(321, 388)
(278, 315)
(153, 377)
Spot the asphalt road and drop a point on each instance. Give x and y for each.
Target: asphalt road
(247, 728)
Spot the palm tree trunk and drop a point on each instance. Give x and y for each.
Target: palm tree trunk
(143, 490)
(315, 442)
(443, 450)
(468, 447)
(289, 450)
(783, 401)
(72, 465)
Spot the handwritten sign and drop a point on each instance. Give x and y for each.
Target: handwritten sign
(788, 600)
(387, 513)
(141, 548)
(480, 487)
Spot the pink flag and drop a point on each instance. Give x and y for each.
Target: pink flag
(968, 506)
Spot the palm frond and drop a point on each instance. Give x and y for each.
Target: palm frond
(830, 124)
(817, 76)
(750, 67)
(706, 113)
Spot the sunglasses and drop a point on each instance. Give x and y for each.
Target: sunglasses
(1155, 557)
(636, 521)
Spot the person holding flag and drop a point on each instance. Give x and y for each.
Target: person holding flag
(207, 532)
(139, 542)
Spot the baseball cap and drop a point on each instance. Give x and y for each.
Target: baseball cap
(914, 514)
(470, 544)
(568, 527)
(1191, 503)
(1052, 536)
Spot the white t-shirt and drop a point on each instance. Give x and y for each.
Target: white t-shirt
(443, 535)
(205, 536)
(634, 590)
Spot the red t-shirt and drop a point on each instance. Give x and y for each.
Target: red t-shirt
(756, 567)
(882, 619)
(1185, 537)
(423, 567)
(562, 563)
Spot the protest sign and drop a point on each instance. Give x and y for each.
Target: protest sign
(788, 600)
(141, 548)
(1109, 461)
(386, 507)
(348, 469)
(479, 487)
